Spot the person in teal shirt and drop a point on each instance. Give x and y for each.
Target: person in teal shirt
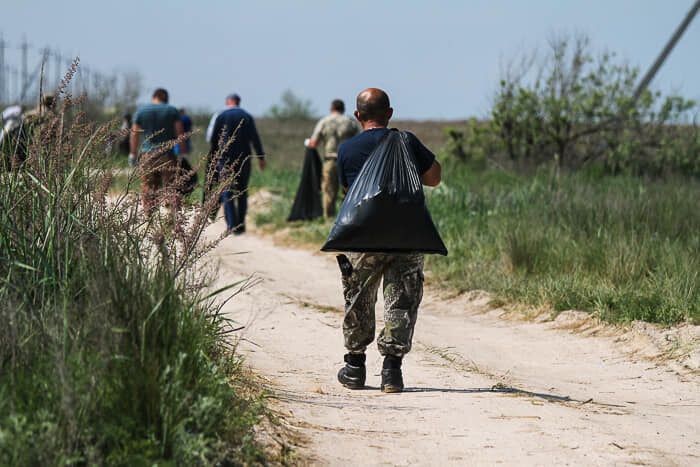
(159, 124)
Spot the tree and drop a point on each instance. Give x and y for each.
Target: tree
(292, 107)
(574, 107)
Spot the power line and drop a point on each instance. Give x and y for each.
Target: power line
(644, 83)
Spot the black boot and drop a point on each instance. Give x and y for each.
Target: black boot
(392, 379)
(354, 373)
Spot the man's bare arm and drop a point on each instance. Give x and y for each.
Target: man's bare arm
(179, 131)
(433, 175)
(134, 139)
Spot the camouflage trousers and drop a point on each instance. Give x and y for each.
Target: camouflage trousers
(329, 186)
(402, 276)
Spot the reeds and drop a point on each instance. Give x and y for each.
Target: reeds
(111, 349)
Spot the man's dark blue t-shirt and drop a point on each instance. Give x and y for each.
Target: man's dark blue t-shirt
(227, 123)
(353, 153)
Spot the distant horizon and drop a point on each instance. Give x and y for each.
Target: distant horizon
(436, 61)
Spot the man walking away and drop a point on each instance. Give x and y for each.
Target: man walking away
(234, 160)
(210, 179)
(13, 139)
(402, 274)
(232, 100)
(332, 130)
(185, 147)
(160, 124)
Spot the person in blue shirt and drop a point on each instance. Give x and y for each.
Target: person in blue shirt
(160, 124)
(362, 273)
(233, 139)
(185, 147)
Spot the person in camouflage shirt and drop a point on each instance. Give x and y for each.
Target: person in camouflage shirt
(332, 130)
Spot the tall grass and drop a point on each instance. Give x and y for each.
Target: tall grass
(624, 248)
(111, 353)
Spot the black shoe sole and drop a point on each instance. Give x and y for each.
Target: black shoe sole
(391, 389)
(353, 385)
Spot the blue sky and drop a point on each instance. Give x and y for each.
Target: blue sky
(437, 59)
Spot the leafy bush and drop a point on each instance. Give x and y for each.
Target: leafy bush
(291, 107)
(111, 353)
(575, 108)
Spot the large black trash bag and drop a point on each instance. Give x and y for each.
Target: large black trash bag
(187, 176)
(307, 202)
(385, 211)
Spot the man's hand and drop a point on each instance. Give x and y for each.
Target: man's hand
(433, 175)
(262, 163)
(312, 143)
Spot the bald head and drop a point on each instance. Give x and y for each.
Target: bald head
(373, 106)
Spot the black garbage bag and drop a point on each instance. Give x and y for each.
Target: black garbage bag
(187, 176)
(385, 211)
(307, 202)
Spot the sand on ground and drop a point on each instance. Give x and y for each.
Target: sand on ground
(479, 390)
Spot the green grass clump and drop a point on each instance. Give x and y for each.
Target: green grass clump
(111, 353)
(622, 247)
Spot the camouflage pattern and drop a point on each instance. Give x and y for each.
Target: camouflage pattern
(329, 187)
(403, 292)
(333, 129)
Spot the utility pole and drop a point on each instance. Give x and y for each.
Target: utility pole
(4, 98)
(644, 83)
(58, 65)
(24, 47)
(17, 85)
(87, 79)
(43, 85)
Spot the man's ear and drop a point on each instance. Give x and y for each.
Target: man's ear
(357, 115)
(390, 113)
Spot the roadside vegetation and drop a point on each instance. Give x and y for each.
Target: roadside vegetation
(572, 194)
(112, 350)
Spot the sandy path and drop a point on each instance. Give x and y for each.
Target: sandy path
(586, 401)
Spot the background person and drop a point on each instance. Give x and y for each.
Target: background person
(235, 159)
(402, 274)
(160, 124)
(185, 147)
(210, 180)
(332, 130)
(13, 140)
(124, 147)
(232, 100)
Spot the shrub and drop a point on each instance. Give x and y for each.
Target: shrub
(575, 108)
(292, 107)
(111, 351)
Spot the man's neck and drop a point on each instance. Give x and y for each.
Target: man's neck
(371, 125)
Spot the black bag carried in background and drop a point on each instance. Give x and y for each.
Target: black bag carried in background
(307, 202)
(187, 176)
(385, 211)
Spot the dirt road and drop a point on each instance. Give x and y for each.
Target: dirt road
(480, 390)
